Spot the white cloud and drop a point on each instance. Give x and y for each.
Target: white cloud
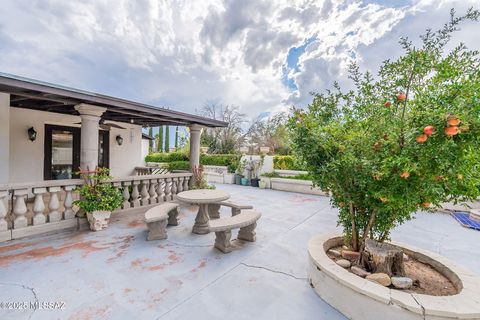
(183, 53)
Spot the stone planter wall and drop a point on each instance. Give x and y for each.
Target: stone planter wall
(360, 299)
(293, 185)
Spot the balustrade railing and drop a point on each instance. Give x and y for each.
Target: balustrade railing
(23, 205)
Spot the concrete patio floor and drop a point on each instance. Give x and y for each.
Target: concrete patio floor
(117, 274)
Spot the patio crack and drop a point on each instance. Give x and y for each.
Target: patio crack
(274, 271)
(423, 309)
(31, 289)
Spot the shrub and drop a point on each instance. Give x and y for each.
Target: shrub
(228, 160)
(166, 157)
(403, 141)
(96, 193)
(178, 165)
(286, 163)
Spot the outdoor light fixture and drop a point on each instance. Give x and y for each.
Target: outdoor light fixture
(32, 134)
(119, 140)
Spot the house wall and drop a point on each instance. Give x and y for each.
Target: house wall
(26, 157)
(4, 137)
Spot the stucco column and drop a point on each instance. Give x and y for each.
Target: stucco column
(89, 137)
(195, 132)
(5, 137)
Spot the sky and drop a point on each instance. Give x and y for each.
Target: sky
(263, 56)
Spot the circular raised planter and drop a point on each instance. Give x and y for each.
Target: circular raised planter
(360, 299)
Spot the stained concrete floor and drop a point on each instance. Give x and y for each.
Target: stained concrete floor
(116, 274)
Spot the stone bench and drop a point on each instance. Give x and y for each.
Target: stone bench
(157, 219)
(214, 209)
(246, 221)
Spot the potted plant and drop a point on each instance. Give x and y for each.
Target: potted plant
(399, 142)
(98, 198)
(240, 170)
(256, 167)
(199, 179)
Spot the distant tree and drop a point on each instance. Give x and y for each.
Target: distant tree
(150, 142)
(270, 132)
(223, 140)
(160, 139)
(176, 138)
(167, 139)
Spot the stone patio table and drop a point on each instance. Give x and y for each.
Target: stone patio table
(202, 198)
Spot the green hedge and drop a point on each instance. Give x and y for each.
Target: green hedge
(228, 160)
(178, 165)
(286, 163)
(166, 157)
(231, 161)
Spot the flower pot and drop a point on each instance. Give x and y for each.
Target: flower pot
(98, 220)
(262, 184)
(244, 182)
(238, 179)
(254, 182)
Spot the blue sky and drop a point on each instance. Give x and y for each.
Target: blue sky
(263, 56)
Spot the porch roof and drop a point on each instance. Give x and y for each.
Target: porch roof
(37, 95)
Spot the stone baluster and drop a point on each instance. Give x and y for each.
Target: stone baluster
(68, 202)
(54, 215)
(161, 190)
(135, 195)
(152, 191)
(126, 194)
(20, 208)
(185, 183)
(174, 188)
(3, 211)
(180, 184)
(39, 206)
(144, 193)
(168, 186)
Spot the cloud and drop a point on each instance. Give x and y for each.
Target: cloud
(181, 54)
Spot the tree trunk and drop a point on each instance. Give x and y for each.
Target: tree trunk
(382, 257)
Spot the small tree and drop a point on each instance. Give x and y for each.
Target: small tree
(270, 132)
(160, 139)
(223, 140)
(404, 141)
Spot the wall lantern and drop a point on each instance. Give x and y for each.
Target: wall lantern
(119, 140)
(32, 134)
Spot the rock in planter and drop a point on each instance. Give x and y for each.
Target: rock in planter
(334, 253)
(350, 255)
(343, 263)
(402, 282)
(359, 271)
(380, 278)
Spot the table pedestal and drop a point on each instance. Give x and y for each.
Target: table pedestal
(201, 221)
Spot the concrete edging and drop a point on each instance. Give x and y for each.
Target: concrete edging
(293, 185)
(361, 299)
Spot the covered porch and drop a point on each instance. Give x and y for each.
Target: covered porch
(48, 132)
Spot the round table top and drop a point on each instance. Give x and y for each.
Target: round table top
(203, 196)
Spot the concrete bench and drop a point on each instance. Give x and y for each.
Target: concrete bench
(246, 221)
(157, 219)
(214, 209)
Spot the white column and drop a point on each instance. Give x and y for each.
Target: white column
(5, 137)
(195, 132)
(89, 137)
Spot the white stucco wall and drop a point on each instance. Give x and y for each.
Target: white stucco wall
(26, 157)
(145, 148)
(4, 137)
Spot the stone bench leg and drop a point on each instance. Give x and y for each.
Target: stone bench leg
(173, 217)
(236, 211)
(248, 233)
(157, 230)
(222, 241)
(214, 211)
